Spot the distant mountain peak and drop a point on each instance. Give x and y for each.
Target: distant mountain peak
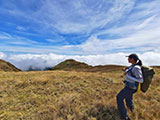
(71, 64)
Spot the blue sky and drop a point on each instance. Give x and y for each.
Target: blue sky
(79, 27)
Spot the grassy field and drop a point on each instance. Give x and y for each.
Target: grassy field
(69, 95)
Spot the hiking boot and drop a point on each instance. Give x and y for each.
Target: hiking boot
(127, 118)
(131, 108)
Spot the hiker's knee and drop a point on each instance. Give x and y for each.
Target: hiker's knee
(119, 97)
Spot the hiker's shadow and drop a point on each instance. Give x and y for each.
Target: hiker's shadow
(101, 112)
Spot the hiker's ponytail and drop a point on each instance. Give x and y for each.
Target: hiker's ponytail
(139, 62)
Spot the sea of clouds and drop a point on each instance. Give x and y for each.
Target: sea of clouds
(43, 61)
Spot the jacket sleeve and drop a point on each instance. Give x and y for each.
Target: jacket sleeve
(134, 78)
(137, 74)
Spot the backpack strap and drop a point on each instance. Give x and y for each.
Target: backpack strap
(137, 84)
(130, 70)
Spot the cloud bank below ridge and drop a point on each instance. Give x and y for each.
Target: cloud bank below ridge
(43, 61)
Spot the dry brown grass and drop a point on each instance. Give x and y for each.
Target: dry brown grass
(62, 95)
(6, 66)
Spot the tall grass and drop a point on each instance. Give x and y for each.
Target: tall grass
(62, 95)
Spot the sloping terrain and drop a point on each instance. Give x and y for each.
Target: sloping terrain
(73, 65)
(71, 95)
(7, 67)
(70, 65)
(106, 68)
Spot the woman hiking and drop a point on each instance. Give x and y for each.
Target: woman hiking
(133, 76)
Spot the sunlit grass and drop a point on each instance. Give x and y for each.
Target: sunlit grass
(69, 95)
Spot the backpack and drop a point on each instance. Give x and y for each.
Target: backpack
(148, 74)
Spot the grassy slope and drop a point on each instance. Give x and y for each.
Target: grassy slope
(71, 64)
(64, 95)
(6, 66)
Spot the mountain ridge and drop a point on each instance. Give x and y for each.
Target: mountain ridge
(8, 67)
(73, 65)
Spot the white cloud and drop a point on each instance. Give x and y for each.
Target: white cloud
(95, 46)
(135, 37)
(42, 61)
(88, 16)
(145, 40)
(20, 28)
(14, 39)
(146, 22)
(151, 58)
(71, 16)
(140, 42)
(2, 55)
(139, 30)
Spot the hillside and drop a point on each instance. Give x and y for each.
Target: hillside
(71, 95)
(73, 65)
(7, 67)
(106, 68)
